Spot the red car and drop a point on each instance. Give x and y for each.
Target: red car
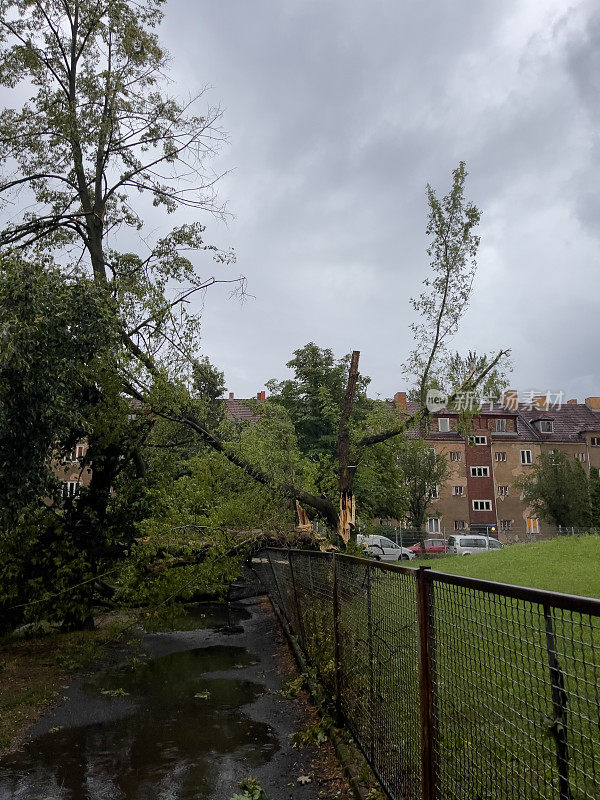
(431, 546)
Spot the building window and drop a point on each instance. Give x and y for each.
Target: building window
(443, 424)
(477, 439)
(595, 441)
(502, 491)
(533, 525)
(459, 524)
(480, 472)
(70, 489)
(74, 455)
(455, 455)
(433, 525)
(500, 456)
(458, 490)
(500, 426)
(580, 456)
(505, 524)
(526, 457)
(482, 505)
(545, 426)
(435, 493)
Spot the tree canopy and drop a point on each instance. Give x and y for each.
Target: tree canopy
(557, 489)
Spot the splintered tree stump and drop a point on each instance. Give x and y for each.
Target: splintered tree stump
(347, 516)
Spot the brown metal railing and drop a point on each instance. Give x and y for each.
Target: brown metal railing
(452, 687)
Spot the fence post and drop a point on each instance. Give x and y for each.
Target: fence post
(559, 704)
(371, 685)
(300, 630)
(336, 640)
(426, 683)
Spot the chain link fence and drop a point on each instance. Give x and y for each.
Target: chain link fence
(453, 687)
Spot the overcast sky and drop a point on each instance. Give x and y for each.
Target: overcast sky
(339, 113)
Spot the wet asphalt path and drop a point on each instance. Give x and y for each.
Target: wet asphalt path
(186, 717)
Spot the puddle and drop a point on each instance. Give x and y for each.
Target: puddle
(182, 727)
(200, 616)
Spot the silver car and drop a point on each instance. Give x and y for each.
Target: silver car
(469, 543)
(383, 549)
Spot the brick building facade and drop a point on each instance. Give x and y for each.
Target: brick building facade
(505, 440)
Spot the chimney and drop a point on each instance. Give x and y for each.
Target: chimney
(231, 395)
(510, 400)
(260, 396)
(572, 402)
(400, 400)
(593, 403)
(540, 401)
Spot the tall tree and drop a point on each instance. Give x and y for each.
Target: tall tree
(451, 226)
(557, 489)
(99, 130)
(594, 497)
(56, 347)
(424, 472)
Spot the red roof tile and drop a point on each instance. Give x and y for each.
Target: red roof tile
(238, 411)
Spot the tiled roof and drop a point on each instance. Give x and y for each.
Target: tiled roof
(239, 411)
(570, 420)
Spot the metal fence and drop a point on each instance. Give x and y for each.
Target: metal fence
(453, 687)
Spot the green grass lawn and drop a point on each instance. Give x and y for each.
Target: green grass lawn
(568, 564)
(497, 730)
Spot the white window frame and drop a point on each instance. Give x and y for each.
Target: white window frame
(503, 490)
(455, 455)
(500, 455)
(433, 524)
(477, 440)
(505, 524)
(70, 489)
(460, 525)
(444, 424)
(595, 441)
(458, 490)
(482, 505)
(526, 460)
(435, 493)
(501, 425)
(580, 456)
(545, 423)
(533, 525)
(476, 473)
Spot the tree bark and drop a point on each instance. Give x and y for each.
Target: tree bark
(347, 471)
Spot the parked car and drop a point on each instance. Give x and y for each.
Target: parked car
(432, 546)
(469, 543)
(383, 549)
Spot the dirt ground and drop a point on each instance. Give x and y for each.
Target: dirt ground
(33, 671)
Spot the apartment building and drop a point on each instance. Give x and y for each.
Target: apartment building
(506, 439)
(71, 472)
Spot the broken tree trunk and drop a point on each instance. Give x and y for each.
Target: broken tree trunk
(346, 520)
(347, 516)
(304, 524)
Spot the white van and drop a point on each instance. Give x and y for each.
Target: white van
(383, 549)
(471, 543)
